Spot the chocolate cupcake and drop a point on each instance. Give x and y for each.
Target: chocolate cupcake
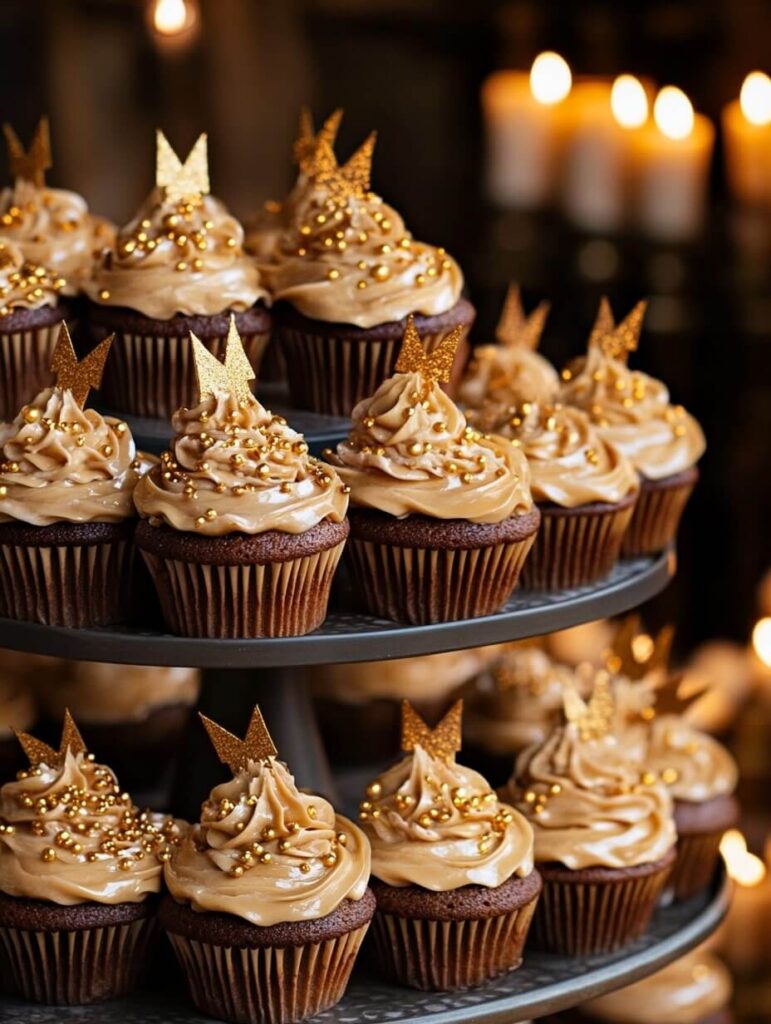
(498, 377)
(66, 512)
(178, 266)
(135, 714)
(18, 712)
(80, 870)
(346, 274)
(452, 867)
(241, 529)
(604, 831)
(268, 901)
(442, 518)
(632, 411)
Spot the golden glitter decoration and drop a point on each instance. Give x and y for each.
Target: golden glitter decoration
(442, 742)
(515, 329)
(29, 164)
(40, 753)
(78, 377)
(353, 178)
(435, 366)
(181, 181)
(235, 753)
(308, 147)
(624, 660)
(604, 323)
(230, 377)
(625, 337)
(593, 717)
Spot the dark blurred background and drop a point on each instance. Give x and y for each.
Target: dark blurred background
(413, 70)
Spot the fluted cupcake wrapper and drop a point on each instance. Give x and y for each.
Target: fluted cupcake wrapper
(154, 376)
(330, 374)
(579, 917)
(575, 548)
(76, 967)
(443, 955)
(694, 869)
(231, 601)
(68, 585)
(656, 518)
(25, 365)
(268, 985)
(423, 585)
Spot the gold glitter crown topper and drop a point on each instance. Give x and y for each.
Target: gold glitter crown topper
(617, 340)
(235, 753)
(434, 366)
(230, 377)
(515, 329)
(634, 655)
(671, 698)
(29, 164)
(307, 148)
(78, 377)
(315, 154)
(181, 181)
(593, 718)
(40, 753)
(443, 741)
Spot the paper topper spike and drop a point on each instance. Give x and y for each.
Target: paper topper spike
(671, 700)
(308, 144)
(237, 366)
(353, 178)
(29, 164)
(625, 661)
(593, 718)
(514, 328)
(78, 377)
(443, 741)
(357, 170)
(434, 366)
(179, 180)
(230, 377)
(40, 753)
(604, 323)
(257, 745)
(625, 337)
(36, 751)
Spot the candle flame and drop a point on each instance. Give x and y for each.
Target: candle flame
(673, 113)
(550, 78)
(629, 102)
(170, 17)
(744, 867)
(755, 98)
(761, 640)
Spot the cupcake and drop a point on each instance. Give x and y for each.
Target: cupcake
(240, 528)
(347, 274)
(80, 871)
(632, 411)
(499, 377)
(269, 901)
(452, 867)
(178, 266)
(442, 517)
(604, 831)
(66, 513)
(135, 714)
(18, 712)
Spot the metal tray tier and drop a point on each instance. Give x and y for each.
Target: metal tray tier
(544, 984)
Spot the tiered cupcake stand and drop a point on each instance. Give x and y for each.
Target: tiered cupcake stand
(274, 672)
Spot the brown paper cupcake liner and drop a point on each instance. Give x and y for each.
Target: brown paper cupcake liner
(694, 869)
(231, 601)
(268, 985)
(657, 514)
(597, 910)
(154, 376)
(444, 955)
(75, 585)
(574, 547)
(76, 967)
(25, 365)
(424, 585)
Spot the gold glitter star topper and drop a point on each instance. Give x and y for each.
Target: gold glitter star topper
(593, 717)
(634, 654)
(619, 340)
(235, 753)
(40, 753)
(515, 330)
(29, 164)
(180, 181)
(442, 742)
(78, 377)
(309, 145)
(230, 377)
(434, 366)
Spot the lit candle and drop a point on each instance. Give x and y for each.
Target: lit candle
(747, 130)
(742, 939)
(523, 126)
(672, 167)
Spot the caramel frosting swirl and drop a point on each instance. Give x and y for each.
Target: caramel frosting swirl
(69, 835)
(268, 853)
(61, 463)
(178, 258)
(434, 823)
(633, 412)
(695, 766)
(410, 451)
(588, 804)
(17, 706)
(23, 284)
(352, 260)
(500, 377)
(54, 229)
(235, 467)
